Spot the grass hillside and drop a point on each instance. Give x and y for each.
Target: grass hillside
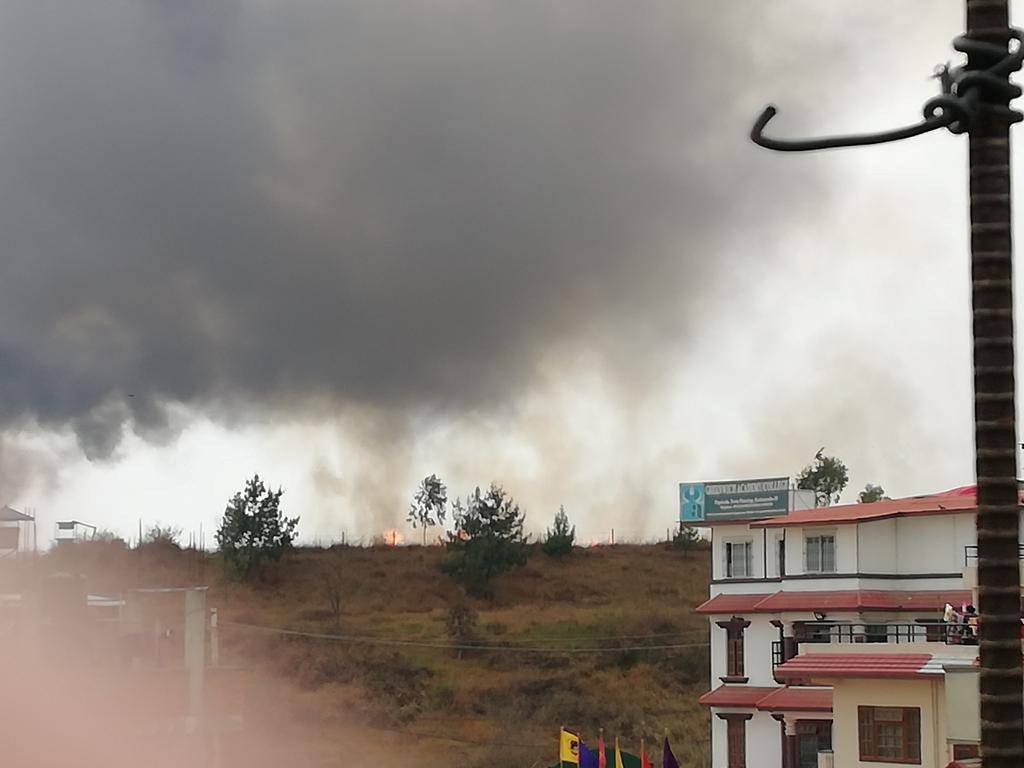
(330, 702)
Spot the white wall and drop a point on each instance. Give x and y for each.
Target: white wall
(717, 652)
(764, 743)
(846, 548)
(757, 650)
(772, 547)
(877, 547)
(963, 716)
(719, 743)
(933, 544)
(927, 545)
(740, 531)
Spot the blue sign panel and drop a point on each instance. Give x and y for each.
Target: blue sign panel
(734, 500)
(691, 502)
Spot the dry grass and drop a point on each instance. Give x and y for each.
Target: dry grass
(431, 708)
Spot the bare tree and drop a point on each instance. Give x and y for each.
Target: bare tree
(429, 504)
(333, 584)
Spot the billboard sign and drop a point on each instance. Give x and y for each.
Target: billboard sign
(733, 500)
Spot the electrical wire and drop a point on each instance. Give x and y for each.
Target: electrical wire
(383, 641)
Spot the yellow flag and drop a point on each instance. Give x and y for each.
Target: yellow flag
(618, 755)
(569, 748)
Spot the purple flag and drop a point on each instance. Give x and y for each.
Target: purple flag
(588, 759)
(668, 760)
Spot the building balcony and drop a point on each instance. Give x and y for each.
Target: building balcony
(971, 565)
(921, 635)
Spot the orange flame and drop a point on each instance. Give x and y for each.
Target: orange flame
(393, 538)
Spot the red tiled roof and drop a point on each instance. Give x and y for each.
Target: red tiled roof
(858, 665)
(735, 696)
(731, 604)
(825, 601)
(797, 699)
(956, 501)
(860, 600)
(784, 699)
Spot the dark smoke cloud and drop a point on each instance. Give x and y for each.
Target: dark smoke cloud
(394, 206)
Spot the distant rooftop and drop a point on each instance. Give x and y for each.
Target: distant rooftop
(8, 515)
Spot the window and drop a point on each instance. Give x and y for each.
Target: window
(739, 558)
(966, 751)
(876, 633)
(735, 653)
(736, 739)
(734, 648)
(812, 737)
(821, 553)
(781, 551)
(890, 734)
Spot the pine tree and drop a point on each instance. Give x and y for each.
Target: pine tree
(253, 528)
(488, 539)
(560, 537)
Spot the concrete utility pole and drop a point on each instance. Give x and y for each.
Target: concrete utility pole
(995, 428)
(975, 100)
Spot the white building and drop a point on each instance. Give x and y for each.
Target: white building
(70, 531)
(851, 593)
(15, 532)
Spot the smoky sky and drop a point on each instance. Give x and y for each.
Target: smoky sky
(248, 208)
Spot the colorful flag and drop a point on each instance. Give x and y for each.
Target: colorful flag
(602, 755)
(668, 760)
(618, 754)
(588, 758)
(569, 748)
(644, 760)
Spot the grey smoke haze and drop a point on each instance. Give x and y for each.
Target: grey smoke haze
(453, 219)
(400, 206)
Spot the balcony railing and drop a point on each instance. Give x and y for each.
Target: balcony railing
(911, 632)
(971, 554)
(817, 632)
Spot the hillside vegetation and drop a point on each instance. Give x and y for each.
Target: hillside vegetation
(341, 702)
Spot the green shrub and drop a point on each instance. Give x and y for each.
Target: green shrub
(560, 537)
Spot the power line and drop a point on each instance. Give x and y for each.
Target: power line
(597, 638)
(363, 640)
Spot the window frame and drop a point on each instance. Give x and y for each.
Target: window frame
(818, 537)
(963, 750)
(735, 649)
(735, 738)
(869, 728)
(728, 570)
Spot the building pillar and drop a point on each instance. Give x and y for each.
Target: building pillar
(791, 757)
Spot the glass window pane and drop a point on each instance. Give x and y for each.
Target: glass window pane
(828, 554)
(889, 714)
(814, 554)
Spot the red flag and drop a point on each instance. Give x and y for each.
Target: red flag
(602, 758)
(645, 761)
